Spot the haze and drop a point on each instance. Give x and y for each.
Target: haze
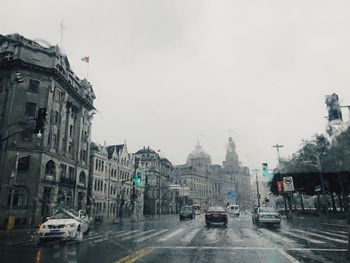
(167, 73)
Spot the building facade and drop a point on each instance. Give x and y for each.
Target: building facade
(52, 166)
(112, 192)
(209, 184)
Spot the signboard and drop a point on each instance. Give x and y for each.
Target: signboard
(317, 188)
(280, 187)
(288, 184)
(174, 187)
(232, 195)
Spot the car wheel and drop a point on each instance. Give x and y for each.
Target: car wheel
(79, 235)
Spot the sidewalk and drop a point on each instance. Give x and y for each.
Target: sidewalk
(11, 237)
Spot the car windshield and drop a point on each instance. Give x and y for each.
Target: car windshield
(175, 131)
(61, 215)
(267, 210)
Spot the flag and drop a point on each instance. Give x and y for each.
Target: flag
(85, 59)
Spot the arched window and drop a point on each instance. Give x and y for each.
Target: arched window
(82, 178)
(50, 168)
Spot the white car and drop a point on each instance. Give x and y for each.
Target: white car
(233, 210)
(65, 224)
(266, 215)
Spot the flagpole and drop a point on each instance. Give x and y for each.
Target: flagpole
(87, 72)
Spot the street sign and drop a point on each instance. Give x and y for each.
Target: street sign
(232, 195)
(317, 188)
(288, 184)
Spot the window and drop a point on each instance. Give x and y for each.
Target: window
(96, 164)
(23, 163)
(71, 131)
(70, 148)
(63, 170)
(26, 136)
(57, 95)
(71, 172)
(53, 140)
(33, 86)
(55, 117)
(1, 85)
(50, 168)
(30, 109)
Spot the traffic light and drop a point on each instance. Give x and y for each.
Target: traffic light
(60, 201)
(265, 170)
(333, 106)
(137, 179)
(40, 121)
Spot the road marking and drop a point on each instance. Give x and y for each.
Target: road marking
(135, 256)
(152, 235)
(302, 237)
(212, 235)
(248, 248)
(176, 232)
(321, 236)
(277, 236)
(114, 236)
(188, 238)
(137, 234)
(99, 235)
(329, 233)
(291, 259)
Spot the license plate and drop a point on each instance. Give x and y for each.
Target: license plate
(55, 231)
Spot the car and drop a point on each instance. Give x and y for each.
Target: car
(233, 210)
(186, 212)
(216, 215)
(65, 224)
(266, 215)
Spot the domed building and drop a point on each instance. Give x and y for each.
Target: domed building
(198, 157)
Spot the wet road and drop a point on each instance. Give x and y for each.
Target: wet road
(168, 240)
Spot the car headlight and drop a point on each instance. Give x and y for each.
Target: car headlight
(43, 226)
(70, 225)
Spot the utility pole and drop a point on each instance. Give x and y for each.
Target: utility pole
(257, 185)
(278, 146)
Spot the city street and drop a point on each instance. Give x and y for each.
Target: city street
(169, 240)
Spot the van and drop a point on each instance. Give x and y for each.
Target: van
(233, 210)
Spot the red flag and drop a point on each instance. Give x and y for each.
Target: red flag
(85, 59)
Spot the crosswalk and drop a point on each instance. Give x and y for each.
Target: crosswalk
(186, 236)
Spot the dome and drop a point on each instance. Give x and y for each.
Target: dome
(198, 156)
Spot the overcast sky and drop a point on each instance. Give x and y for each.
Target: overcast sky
(167, 73)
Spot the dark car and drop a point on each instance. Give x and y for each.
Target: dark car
(216, 216)
(186, 212)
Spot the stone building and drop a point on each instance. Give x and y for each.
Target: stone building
(53, 166)
(112, 193)
(158, 198)
(209, 183)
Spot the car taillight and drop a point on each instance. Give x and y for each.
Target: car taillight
(277, 215)
(208, 214)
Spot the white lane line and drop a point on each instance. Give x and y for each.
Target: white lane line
(212, 235)
(328, 233)
(290, 258)
(188, 238)
(114, 236)
(137, 235)
(176, 232)
(247, 248)
(99, 235)
(277, 236)
(321, 236)
(150, 236)
(302, 237)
